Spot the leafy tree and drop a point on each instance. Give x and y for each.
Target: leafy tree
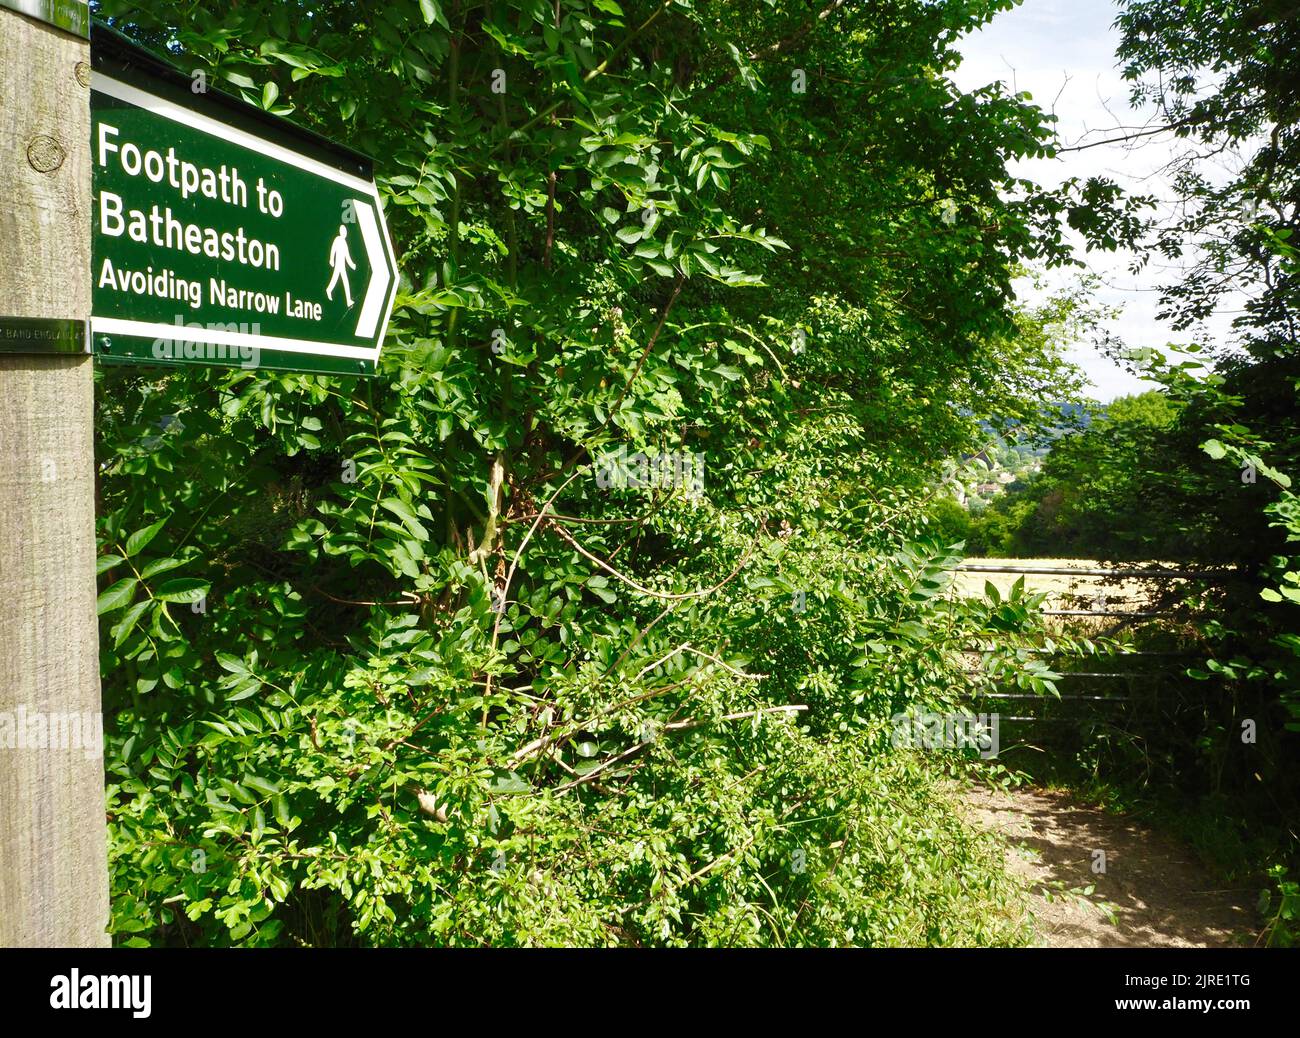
(1223, 76)
(1095, 495)
(950, 521)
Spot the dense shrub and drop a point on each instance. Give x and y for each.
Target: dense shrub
(408, 660)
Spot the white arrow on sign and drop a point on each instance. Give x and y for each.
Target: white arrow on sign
(377, 292)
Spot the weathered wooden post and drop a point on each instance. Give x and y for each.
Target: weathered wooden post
(53, 855)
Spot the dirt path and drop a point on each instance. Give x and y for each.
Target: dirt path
(1151, 894)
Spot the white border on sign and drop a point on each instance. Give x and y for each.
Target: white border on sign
(186, 333)
(168, 110)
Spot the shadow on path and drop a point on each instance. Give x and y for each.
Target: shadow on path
(1152, 894)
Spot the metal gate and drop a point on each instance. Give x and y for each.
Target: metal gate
(1148, 692)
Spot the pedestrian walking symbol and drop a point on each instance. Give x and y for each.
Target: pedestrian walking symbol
(341, 261)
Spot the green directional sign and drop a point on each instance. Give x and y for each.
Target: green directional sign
(224, 236)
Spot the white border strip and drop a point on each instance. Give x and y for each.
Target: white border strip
(390, 263)
(182, 333)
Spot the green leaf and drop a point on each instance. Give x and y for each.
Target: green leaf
(432, 11)
(116, 597)
(139, 540)
(261, 785)
(182, 589)
(160, 566)
(107, 562)
(403, 511)
(510, 783)
(233, 664)
(129, 619)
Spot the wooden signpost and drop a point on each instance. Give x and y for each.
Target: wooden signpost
(145, 221)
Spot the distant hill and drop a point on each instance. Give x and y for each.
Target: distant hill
(1009, 460)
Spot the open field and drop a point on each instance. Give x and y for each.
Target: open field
(1065, 591)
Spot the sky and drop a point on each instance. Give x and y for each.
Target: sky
(1063, 53)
